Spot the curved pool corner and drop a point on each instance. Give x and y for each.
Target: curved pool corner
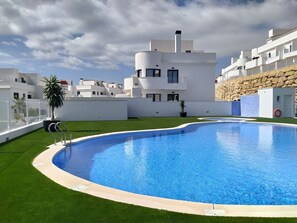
(43, 162)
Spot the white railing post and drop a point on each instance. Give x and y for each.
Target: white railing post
(27, 112)
(39, 113)
(8, 115)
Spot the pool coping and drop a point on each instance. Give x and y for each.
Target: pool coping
(226, 119)
(43, 163)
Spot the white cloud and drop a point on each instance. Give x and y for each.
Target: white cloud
(8, 59)
(9, 43)
(107, 33)
(45, 55)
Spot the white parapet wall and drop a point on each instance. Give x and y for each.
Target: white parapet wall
(92, 109)
(144, 107)
(6, 136)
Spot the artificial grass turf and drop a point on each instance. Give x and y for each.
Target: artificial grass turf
(28, 196)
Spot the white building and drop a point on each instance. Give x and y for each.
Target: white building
(14, 85)
(171, 71)
(94, 88)
(276, 102)
(279, 51)
(27, 86)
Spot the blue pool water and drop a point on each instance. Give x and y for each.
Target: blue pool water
(223, 163)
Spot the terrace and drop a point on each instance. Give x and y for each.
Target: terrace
(28, 196)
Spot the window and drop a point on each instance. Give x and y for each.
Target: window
(269, 55)
(101, 93)
(290, 50)
(172, 76)
(93, 92)
(78, 93)
(29, 96)
(16, 95)
(138, 73)
(154, 97)
(173, 97)
(16, 80)
(24, 95)
(153, 72)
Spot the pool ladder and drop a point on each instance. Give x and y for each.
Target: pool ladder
(61, 132)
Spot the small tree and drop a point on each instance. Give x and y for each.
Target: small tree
(182, 105)
(53, 93)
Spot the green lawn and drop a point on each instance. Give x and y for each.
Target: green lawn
(28, 196)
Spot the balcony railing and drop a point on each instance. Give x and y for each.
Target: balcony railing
(14, 115)
(233, 74)
(155, 83)
(272, 60)
(290, 54)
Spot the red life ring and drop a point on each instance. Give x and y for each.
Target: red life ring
(277, 113)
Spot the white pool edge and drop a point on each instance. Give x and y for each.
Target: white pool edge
(43, 163)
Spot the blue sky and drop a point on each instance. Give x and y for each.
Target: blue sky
(97, 39)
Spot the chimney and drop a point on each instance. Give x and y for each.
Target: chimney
(177, 41)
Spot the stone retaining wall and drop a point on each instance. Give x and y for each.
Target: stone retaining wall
(231, 90)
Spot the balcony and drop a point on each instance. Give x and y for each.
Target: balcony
(130, 83)
(272, 60)
(290, 54)
(155, 83)
(255, 63)
(233, 74)
(251, 64)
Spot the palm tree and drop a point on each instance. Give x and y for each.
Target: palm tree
(53, 93)
(20, 108)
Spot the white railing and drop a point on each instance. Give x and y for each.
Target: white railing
(16, 113)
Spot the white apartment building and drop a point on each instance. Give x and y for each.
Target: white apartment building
(94, 88)
(172, 71)
(279, 51)
(14, 85)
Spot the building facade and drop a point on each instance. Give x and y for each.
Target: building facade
(172, 71)
(279, 51)
(16, 85)
(95, 88)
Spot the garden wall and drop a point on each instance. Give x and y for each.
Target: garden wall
(143, 107)
(92, 109)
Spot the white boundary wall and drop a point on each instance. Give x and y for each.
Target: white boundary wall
(5, 136)
(143, 107)
(92, 109)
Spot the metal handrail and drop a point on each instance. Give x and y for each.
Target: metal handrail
(49, 130)
(62, 135)
(59, 130)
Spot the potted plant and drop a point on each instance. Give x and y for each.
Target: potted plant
(54, 94)
(182, 106)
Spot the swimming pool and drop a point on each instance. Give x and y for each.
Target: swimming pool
(223, 163)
